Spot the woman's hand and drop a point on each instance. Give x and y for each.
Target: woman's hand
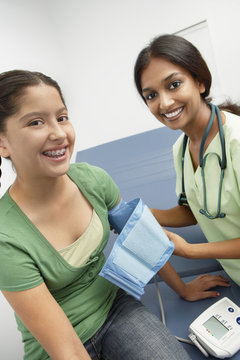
(182, 247)
(225, 249)
(199, 288)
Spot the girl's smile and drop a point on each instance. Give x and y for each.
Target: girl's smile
(39, 138)
(56, 154)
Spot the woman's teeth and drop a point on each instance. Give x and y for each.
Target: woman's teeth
(55, 153)
(173, 114)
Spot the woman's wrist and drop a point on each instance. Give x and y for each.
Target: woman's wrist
(196, 251)
(190, 251)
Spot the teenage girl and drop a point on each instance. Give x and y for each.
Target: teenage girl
(53, 229)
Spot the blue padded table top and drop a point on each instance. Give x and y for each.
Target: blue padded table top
(180, 313)
(142, 166)
(139, 164)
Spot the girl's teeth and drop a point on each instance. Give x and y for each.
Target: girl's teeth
(55, 152)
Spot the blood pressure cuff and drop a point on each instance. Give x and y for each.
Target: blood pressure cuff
(140, 250)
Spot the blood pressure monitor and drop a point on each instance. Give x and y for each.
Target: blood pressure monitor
(217, 329)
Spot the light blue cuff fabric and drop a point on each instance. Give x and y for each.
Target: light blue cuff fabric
(141, 249)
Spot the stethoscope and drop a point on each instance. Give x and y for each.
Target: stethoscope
(202, 161)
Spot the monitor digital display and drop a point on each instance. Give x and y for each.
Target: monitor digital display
(215, 327)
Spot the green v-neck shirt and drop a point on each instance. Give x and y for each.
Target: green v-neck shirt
(27, 259)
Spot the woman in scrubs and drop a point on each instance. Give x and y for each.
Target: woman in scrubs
(174, 81)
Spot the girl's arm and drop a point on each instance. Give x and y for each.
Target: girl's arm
(47, 322)
(177, 216)
(199, 287)
(227, 249)
(194, 290)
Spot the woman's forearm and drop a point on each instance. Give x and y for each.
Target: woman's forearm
(227, 249)
(177, 216)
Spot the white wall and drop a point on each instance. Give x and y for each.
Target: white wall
(90, 47)
(101, 41)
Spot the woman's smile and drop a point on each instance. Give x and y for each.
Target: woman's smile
(171, 93)
(174, 114)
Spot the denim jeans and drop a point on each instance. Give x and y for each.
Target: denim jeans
(131, 332)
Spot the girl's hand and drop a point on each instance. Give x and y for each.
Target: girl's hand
(199, 288)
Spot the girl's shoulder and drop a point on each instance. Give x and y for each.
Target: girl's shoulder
(95, 182)
(87, 172)
(7, 207)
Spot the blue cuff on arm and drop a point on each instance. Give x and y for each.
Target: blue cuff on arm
(141, 249)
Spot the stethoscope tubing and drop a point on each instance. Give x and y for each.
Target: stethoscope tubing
(202, 160)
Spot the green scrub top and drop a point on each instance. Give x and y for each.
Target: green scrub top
(221, 228)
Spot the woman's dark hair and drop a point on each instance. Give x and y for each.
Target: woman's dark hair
(181, 52)
(12, 86)
(178, 51)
